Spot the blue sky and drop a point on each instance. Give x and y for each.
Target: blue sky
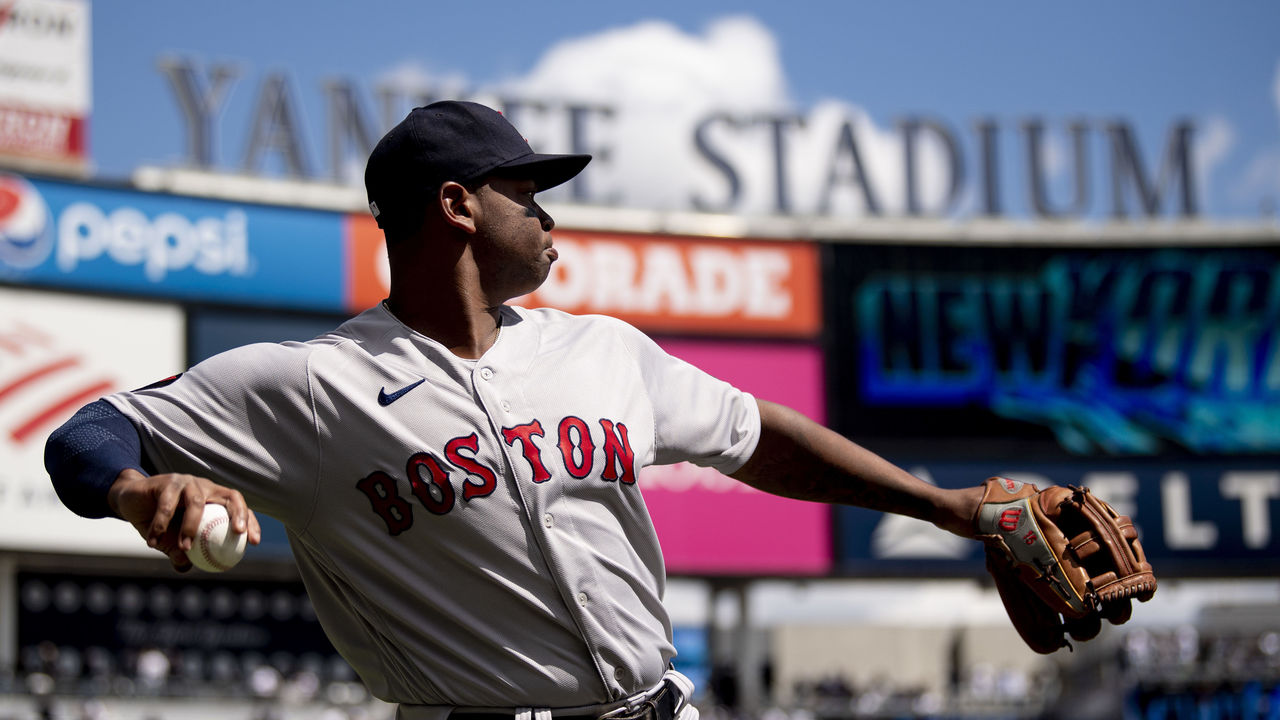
(1149, 64)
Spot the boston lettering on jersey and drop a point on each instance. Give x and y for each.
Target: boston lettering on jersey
(428, 475)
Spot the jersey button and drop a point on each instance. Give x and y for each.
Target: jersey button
(506, 406)
(547, 520)
(486, 373)
(582, 599)
(618, 674)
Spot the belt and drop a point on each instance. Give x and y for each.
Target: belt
(662, 705)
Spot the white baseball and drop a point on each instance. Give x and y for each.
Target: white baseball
(217, 547)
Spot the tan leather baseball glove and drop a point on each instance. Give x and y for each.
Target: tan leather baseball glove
(1062, 560)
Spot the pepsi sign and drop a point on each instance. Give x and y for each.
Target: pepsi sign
(118, 240)
(169, 242)
(26, 230)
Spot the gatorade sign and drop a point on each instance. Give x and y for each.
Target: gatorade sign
(686, 284)
(657, 283)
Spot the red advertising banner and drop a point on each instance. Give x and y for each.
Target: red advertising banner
(41, 134)
(657, 283)
(46, 91)
(57, 353)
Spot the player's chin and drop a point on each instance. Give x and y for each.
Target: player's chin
(532, 280)
(542, 268)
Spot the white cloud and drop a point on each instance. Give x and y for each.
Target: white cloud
(1056, 154)
(412, 77)
(733, 65)
(1214, 139)
(880, 151)
(1260, 182)
(1275, 91)
(661, 83)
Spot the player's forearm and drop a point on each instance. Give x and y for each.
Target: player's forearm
(800, 459)
(86, 455)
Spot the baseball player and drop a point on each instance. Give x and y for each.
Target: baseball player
(458, 476)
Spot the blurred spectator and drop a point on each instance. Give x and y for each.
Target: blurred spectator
(1153, 662)
(333, 713)
(264, 681)
(1188, 644)
(93, 710)
(302, 688)
(153, 671)
(1013, 685)
(223, 669)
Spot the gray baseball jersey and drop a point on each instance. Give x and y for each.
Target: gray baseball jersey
(470, 532)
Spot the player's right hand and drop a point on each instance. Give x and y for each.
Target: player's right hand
(165, 510)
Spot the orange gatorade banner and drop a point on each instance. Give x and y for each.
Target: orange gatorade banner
(368, 279)
(658, 283)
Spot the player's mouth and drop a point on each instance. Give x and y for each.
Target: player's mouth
(553, 253)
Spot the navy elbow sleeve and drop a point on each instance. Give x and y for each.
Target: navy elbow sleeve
(84, 456)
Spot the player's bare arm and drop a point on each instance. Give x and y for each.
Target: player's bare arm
(798, 458)
(165, 509)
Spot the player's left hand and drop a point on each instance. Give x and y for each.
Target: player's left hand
(1062, 560)
(165, 510)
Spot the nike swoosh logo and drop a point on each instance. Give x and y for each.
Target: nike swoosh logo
(385, 398)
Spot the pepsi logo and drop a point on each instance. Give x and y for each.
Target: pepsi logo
(26, 227)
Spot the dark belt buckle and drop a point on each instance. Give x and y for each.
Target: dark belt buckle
(662, 706)
(642, 711)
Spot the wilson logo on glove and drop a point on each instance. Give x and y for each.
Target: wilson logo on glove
(1009, 519)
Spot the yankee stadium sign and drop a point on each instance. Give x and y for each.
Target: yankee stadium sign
(779, 163)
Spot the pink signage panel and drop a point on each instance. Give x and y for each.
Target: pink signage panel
(713, 524)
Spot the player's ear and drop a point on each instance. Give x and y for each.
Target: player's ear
(457, 206)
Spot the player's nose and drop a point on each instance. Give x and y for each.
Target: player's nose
(548, 222)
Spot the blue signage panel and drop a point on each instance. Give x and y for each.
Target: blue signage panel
(210, 331)
(1197, 517)
(1056, 353)
(119, 240)
(693, 655)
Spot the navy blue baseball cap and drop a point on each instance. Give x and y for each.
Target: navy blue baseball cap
(458, 141)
